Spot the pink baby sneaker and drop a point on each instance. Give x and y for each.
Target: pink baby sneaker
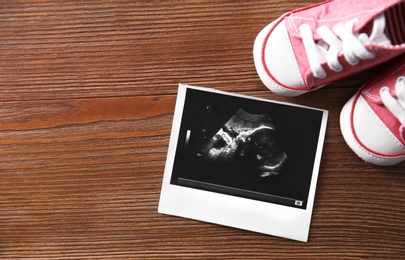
(373, 121)
(309, 48)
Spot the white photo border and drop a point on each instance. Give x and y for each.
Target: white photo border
(233, 211)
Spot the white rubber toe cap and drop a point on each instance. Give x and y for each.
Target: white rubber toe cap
(275, 61)
(368, 136)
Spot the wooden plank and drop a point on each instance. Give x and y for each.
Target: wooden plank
(75, 50)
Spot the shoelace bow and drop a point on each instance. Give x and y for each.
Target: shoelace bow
(341, 39)
(395, 104)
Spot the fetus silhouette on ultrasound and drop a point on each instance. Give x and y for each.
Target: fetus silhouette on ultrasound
(250, 140)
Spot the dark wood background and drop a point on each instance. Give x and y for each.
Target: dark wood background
(87, 94)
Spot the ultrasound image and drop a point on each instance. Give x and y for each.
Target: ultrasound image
(247, 148)
(249, 139)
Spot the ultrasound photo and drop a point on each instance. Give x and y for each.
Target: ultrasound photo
(247, 148)
(243, 162)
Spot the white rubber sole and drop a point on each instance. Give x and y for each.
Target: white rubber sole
(363, 153)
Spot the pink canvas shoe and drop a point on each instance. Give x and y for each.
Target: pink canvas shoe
(373, 121)
(309, 48)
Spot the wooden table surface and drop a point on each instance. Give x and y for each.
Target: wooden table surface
(87, 94)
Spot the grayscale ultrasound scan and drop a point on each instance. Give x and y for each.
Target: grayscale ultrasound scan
(247, 148)
(247, 138)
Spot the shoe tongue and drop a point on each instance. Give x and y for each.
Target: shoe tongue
(374, 32)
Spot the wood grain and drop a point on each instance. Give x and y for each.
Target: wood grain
(87, 94)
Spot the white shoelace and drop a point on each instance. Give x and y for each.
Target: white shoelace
(396, 105)
(341, 39)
